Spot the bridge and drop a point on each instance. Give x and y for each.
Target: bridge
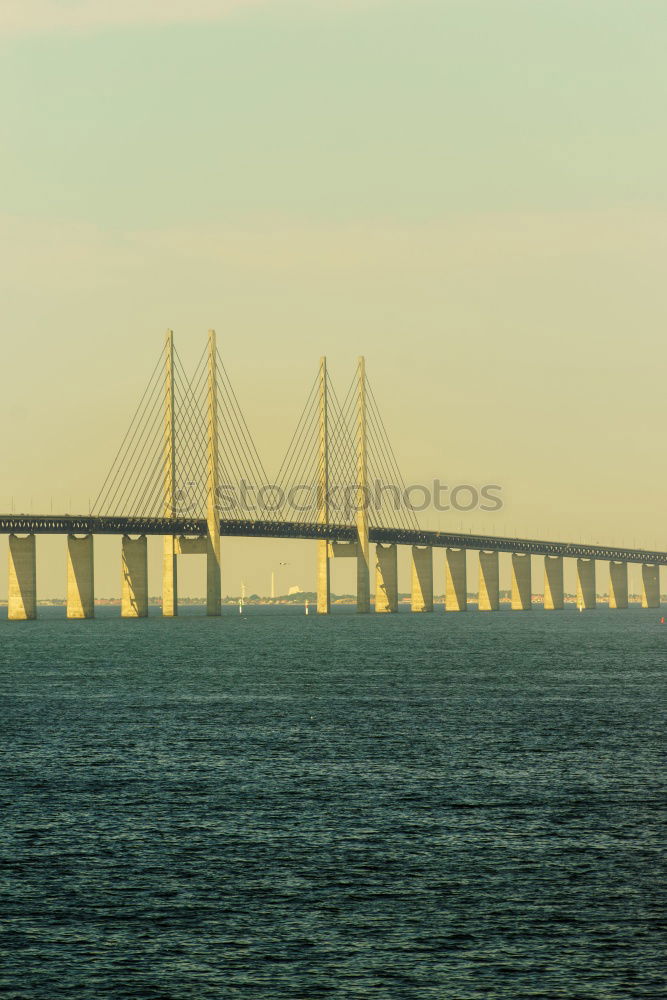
(188, 471)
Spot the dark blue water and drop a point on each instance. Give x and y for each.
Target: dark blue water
(435, 806)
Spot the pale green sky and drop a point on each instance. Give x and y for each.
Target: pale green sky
(472, 193)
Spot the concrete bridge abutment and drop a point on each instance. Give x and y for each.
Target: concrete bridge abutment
(386, 578)
(80, 577)
(489, 582)
(456, 580)
(422, 578)
(522, 583)
(22, 591)
(134, 577)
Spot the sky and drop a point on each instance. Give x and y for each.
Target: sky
(471, 194)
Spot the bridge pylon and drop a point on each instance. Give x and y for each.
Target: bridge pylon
(323, 564)
(213, 580)
(169, 562)
(363, 569)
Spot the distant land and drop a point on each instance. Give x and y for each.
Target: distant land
(302, 596)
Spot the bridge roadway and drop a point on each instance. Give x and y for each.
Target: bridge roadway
(71, 524)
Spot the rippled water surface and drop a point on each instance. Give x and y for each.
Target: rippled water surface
(268, 806)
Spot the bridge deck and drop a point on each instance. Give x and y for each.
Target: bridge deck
(79, 525)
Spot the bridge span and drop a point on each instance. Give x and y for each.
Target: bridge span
(189, 440)
(190, 536)
(73, 524)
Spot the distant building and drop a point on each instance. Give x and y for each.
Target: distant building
(294, 590)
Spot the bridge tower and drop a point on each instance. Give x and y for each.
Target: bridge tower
(169, 563)
(363, 572)
(323, 564)
(213, 591)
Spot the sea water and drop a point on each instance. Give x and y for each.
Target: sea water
(275, 805)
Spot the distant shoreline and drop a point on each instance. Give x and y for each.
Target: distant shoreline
(300, 599)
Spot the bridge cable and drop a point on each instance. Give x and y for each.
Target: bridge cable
(135, 422)
(122, 481)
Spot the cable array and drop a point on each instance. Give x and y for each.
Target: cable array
(342, 454)
(390, 502)
(295, 484)
(243, 482)
(134, 485)
(139, 480)
(301, 471)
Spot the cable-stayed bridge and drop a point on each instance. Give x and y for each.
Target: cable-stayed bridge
(189, 471)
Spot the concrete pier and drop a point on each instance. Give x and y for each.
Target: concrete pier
(456, 580)
(586, 595)
(323, 578)
(489, 585)
(169, 578)
(650, 586)
(80, 577)
(22, 591)
(554, 590)
(522, 584)
(386, 578)
(618, 584)
(363, 576)
(134, 577)
(422, 578)
(213, 576)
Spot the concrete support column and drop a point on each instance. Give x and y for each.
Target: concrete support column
(489, 585)
(618, 584)
(386, 578)
(80, 577)
(134, 577)
(363, 569)
(586, 596)
(213, 578)
(169, 578)
(422, 578)
(323, 578)
(554, 590)
(456, 580)
(650, 586)
(522, 582)
(22, 591)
